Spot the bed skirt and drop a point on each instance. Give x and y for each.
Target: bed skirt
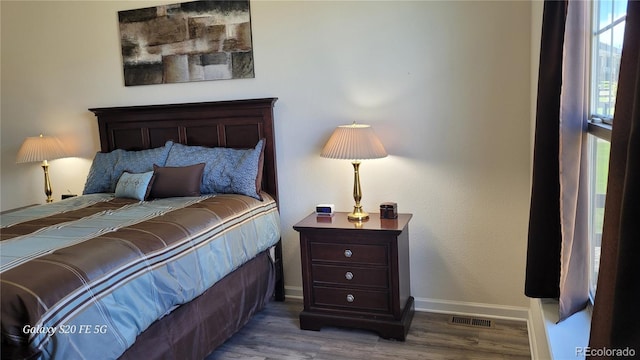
(195, 329)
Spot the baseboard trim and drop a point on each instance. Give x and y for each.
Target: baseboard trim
(294, 292)
(451, 307)
(473, 309)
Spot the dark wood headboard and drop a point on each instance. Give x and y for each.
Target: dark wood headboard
(233, 124)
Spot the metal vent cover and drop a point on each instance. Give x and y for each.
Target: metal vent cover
(469, 321)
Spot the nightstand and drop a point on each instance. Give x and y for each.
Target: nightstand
(356, 274)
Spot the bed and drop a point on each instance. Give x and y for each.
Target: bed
(144, 265)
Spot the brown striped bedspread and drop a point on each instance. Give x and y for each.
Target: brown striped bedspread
(81, 278)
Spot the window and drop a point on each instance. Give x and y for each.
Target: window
(608, 33)
(599, 166)
(606, 48)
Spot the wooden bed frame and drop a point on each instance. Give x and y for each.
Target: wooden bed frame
(233, 124)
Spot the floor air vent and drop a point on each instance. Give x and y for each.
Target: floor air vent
(467, 321)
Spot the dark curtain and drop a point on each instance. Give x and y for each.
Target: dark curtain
(558, 251)
(545, 238)
(616, 317)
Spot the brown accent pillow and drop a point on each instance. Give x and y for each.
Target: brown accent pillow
(176, 181)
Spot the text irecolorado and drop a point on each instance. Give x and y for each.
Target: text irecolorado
(608, 352)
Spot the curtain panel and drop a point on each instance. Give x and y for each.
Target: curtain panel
(543, 248)
(574, 170)
(616, 318)
(557, 252)
(555, 243)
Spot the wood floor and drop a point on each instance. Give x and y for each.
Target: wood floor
(274, 334)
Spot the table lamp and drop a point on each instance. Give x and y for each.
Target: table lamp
(41, 148)
(354, 142)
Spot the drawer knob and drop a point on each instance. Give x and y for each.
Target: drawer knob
(350, 298)
(348, 253)
(348, 275)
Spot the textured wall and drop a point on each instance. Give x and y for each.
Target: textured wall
(445, 85)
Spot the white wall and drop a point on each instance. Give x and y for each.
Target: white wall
(446, 85)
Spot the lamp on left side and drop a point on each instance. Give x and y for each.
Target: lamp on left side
(41, 148)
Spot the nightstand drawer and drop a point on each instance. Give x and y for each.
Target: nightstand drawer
(349, 253)
(351, 276)
(358, 300)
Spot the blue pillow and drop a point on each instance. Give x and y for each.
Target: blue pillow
(100, 178)
(107, 167)
(227, 171)
(134, 186)
(141, 161)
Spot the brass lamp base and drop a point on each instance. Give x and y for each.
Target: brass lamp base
(358, 214)
(47, 182)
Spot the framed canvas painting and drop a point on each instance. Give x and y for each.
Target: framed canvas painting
(191, 41)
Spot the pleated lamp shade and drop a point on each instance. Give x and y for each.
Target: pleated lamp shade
(353, 142)
(40, 148)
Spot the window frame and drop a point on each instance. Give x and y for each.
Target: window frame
(599, 125)
(600, 130)
(595, 32)
(603, 132)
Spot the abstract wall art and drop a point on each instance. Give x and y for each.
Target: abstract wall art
(191, 41)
